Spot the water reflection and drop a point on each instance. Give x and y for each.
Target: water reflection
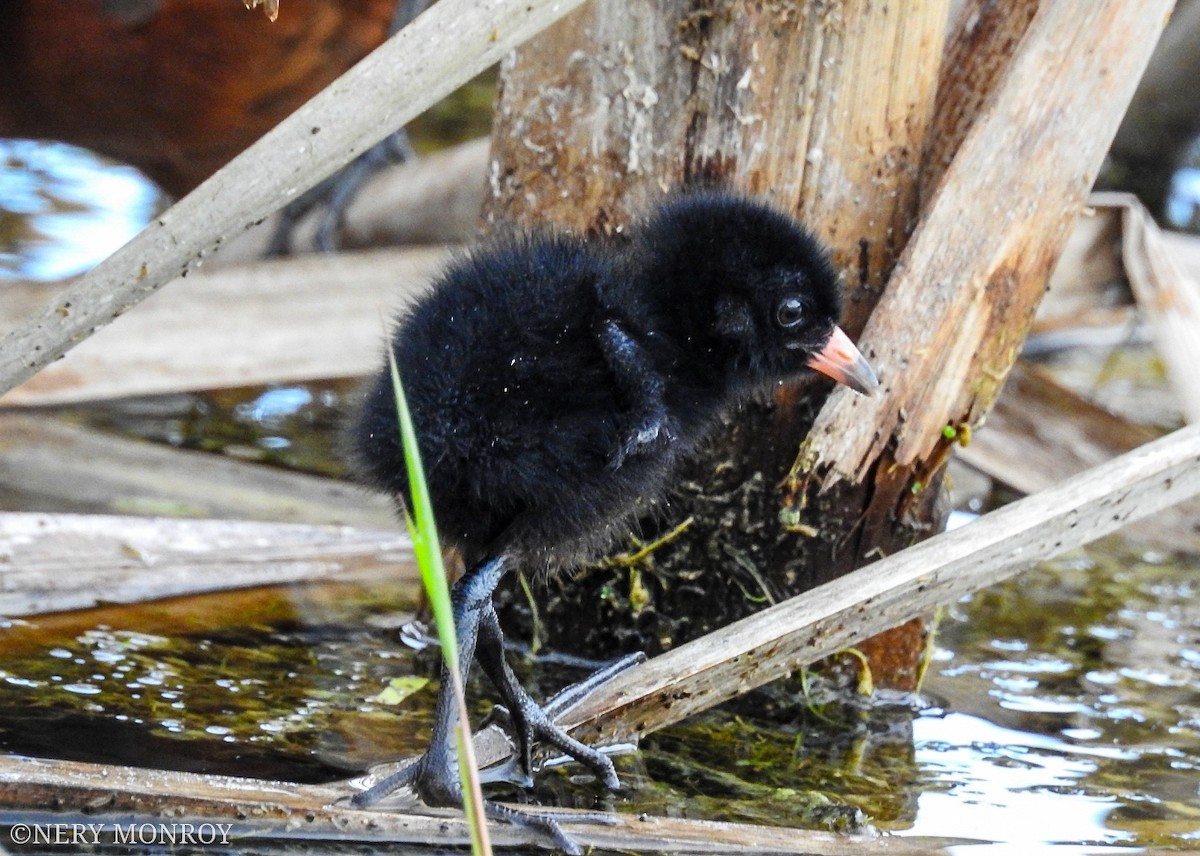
(990, 783)
(63, 209)
(1072, 692)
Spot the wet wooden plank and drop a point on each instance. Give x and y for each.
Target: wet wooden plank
(264, 322)
(48, 464)
(58, 562)
(30, 788)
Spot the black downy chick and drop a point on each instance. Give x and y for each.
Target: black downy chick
(556, 381)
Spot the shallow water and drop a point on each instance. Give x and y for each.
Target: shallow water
(1073, 700)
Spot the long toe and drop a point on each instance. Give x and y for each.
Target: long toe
(543, 823)
(572, 694)
(386, 786)
(545, 730)
(433, 780)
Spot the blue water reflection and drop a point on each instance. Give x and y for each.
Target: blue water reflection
(63, 209)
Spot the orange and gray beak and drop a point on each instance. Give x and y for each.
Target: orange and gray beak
(840, 360)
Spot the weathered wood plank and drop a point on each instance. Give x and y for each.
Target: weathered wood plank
(265, 322)
(1167, 292)
(280, 810)
(57, 562)
(47, 464)
(436, 53)
(780, 639)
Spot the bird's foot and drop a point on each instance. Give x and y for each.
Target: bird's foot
(430, 781)
(528, 722)
(333, 196)
(531, 725)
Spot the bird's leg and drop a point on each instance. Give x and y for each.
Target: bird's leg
(530, 721)
(335, 194)
(435, 774)
(640, 384)
(339, 190)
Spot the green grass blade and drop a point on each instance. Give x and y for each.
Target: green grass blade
(422, 527)
(423, 530)
(468, 774)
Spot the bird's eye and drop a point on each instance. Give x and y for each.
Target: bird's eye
(790, 312)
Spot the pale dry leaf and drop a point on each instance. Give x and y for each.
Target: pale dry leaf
(270, 7)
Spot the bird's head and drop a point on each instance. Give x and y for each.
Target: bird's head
(763, 289)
